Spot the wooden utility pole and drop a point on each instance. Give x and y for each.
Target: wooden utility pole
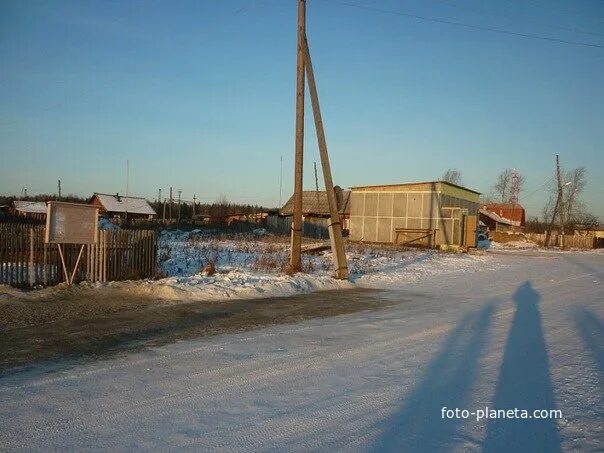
(170, 205)
(334, 227)
(557, 206)
(159, 195)
(193, 210)
(179, 192)
(59, 184)
(317, 187)
(560, 203)
(295, 258)
(280, 180)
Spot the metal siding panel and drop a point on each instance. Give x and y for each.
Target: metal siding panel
(369, 230)
(356, 228)
(400, 205)
(371, 201)
(414, 206)
(385, 209)
(383, 230)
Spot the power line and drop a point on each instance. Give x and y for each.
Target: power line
(511, 16)
(470, 26)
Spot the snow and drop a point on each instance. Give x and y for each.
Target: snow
(253, 267)
(30, 207)
(530, 336)
(514, 245)
(133, 205)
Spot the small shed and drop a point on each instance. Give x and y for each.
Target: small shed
(120, 206)
(432, 214)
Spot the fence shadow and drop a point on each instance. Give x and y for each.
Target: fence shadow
(524, 382)
(448, 381)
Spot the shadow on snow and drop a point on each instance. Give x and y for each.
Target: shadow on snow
(524, 383)
(448, 381)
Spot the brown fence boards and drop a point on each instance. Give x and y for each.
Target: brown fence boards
(25, 260)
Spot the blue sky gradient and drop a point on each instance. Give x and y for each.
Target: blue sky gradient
(199, 95)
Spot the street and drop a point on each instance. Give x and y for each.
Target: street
(528, 335)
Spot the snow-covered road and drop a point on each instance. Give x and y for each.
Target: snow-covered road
(527, 336)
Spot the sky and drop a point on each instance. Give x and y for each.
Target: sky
(200, 95)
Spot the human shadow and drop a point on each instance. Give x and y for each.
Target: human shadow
(591, 330)
(524, 383)
(448, 381)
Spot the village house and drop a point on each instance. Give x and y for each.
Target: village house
(503, 216)
(315, 207)
(29, 209)
(118, 206)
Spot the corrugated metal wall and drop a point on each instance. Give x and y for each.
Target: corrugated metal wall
(375, 215)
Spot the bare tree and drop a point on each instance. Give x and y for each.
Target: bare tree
(571, 208)
(573, 184)
(452, 175)
(503, 189)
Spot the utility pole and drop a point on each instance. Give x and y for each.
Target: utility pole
(59, 184)
(179, 192)
(194, 203)
(159, 195)
(163, 217)
(295, 257)
(560, 203)
(280, 181)
(334, 227)
(317, 186)
(170, 207)
(557, 207)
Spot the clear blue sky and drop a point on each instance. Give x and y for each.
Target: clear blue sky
(200, 94)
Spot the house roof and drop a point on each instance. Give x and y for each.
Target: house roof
(511, 211)
(416, 184)
(132, 205)
(497, 218)
(310, 204)
(30, 207)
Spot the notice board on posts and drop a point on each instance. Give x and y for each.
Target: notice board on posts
(71, 223)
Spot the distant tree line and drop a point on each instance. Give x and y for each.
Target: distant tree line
(8, 199)
(219, 208)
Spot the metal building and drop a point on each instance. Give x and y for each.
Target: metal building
(431, 214)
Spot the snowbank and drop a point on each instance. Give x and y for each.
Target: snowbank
(253, 267)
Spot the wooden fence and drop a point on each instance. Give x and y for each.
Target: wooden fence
(25, 260)
(569, 241)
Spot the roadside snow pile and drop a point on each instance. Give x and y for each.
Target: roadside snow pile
(514, 245)
(249, 266)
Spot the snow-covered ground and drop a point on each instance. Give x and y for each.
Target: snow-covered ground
(254, 266)
(528, 335)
